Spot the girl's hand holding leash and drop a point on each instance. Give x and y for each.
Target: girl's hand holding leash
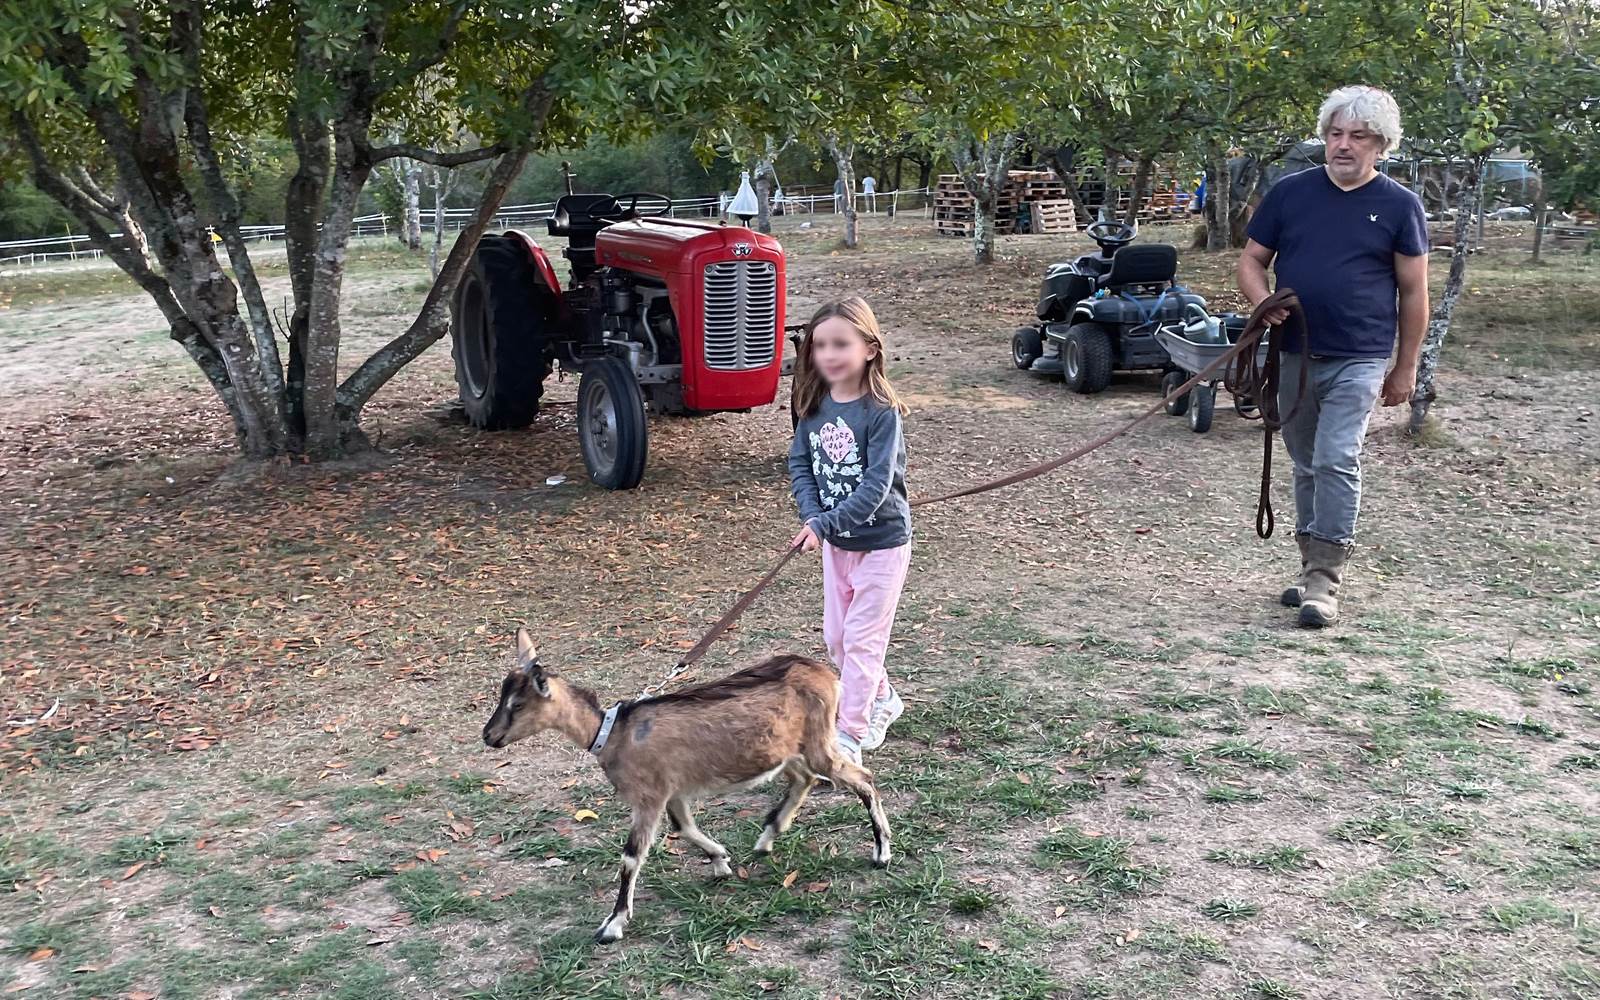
(805, 541)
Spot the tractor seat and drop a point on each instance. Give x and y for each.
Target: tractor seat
(1142, 264)
(578, 216)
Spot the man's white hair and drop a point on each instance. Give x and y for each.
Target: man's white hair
(1365, 106)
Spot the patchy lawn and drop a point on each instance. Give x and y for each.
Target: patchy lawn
(1121, 772)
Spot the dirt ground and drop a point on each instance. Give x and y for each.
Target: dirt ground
(241, 709)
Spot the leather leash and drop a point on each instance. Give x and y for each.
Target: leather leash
(1242, 375)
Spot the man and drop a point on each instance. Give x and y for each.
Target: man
(838, 195)
(1353, 245)
(869, 187)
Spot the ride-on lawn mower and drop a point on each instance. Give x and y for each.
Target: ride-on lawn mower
(675, 315)
(1099, 313)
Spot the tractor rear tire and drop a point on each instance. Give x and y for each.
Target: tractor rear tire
(501, 320)
(1026, 346)
(1170, 381)
(1202, 404)
(612, 432)
(1086, 358)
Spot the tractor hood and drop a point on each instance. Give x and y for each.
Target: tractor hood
(660, 245)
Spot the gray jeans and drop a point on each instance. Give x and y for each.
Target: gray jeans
(1324, 439)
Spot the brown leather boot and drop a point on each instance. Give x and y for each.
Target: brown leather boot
(1290, 598)
(1319, 605)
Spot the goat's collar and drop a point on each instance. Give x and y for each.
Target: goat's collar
(604, 732)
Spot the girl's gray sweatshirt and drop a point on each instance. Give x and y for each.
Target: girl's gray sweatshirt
(847, 468)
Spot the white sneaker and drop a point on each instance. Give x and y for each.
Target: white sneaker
(849, 747)
(884, 711)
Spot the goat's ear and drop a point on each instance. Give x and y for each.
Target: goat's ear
(525, 650)
(528, 659)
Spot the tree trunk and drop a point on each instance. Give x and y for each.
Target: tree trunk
(764, 175)
(1439, 323)
(350, 172)
(411, 188)
(1541, 215)
(1060, 163)
(1241, 199)
(443, 181)
(843, 153)
(1218, 234)
(984, 168)
(1141, 181)
(302, 219)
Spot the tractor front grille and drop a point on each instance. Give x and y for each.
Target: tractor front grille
(741, 314)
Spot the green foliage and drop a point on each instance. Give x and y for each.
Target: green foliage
(27, 212)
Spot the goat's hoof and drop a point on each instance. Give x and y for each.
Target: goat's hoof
(764, 845)
(721, 869)
(881, 861)
(610, 932)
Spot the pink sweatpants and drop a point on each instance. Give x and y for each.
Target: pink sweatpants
(860, 591)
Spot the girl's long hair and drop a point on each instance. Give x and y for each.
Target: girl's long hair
(809, 388)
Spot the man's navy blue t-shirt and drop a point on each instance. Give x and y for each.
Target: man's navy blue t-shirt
(1336, 250)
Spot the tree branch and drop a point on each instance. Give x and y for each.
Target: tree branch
(424, 155)
(49, 179)
(187, 26)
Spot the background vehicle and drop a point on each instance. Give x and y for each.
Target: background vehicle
(1099, 313)
(661, 314)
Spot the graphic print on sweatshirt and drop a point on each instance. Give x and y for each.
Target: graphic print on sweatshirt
(836, 464)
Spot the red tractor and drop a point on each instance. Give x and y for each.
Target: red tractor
(669, 315)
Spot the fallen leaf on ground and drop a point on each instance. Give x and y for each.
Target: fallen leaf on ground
(133, 870)
(788, 879)
(41, 954)
(584, 815)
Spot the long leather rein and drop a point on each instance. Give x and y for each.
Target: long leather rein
(1243, 374)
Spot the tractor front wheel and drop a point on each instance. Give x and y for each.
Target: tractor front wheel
(1086, 358)
(612, 433)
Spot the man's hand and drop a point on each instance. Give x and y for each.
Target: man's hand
(806, 540)
(1399, 384)
(1278, 316)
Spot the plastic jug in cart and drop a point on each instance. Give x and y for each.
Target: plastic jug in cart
(1201, 327)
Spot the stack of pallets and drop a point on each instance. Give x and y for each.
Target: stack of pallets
(955, 210)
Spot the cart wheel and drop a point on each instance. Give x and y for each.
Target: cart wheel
(612, 433)
(1202, 401)
(1026, 346)
(1246, 407)
(1170, 381)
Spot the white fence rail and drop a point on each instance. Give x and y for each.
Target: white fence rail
(59, 249)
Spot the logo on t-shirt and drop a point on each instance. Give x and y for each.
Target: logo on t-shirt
(1372, 218)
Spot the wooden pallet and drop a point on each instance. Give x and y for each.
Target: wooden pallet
(1054, 216)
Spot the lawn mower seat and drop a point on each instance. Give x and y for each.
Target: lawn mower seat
(1142, 264)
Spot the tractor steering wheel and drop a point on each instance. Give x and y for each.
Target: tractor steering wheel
(630, 210)
(1111, 235)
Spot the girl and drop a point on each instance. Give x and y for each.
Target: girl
(847, 468)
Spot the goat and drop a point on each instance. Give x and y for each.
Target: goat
(663, 753)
